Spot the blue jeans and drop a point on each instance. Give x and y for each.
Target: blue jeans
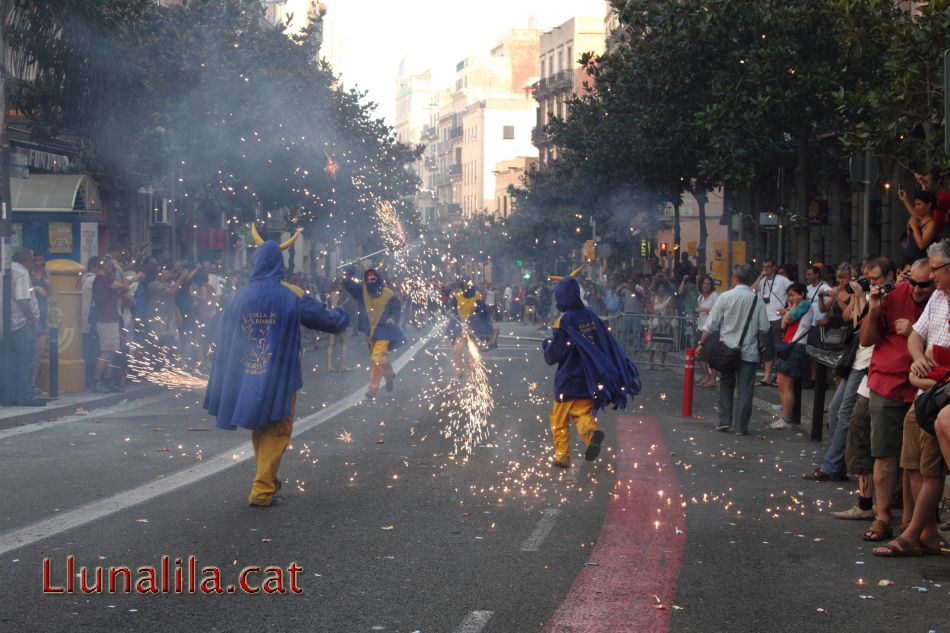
(839, 419)
(745, 379)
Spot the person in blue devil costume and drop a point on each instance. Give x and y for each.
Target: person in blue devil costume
(255, 372)
(593, 371)
(468, 317)
(379, 321)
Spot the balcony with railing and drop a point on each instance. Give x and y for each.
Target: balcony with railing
(455, 132)
(455, 169)
(551, 84)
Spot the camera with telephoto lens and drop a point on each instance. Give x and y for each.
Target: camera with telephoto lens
(885, 288)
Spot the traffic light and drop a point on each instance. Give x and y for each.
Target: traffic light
(664, 248)
(590, 250)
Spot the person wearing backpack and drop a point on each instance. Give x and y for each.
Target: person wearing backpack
(593, 371)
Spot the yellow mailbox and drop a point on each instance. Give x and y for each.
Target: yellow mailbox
(65, 313)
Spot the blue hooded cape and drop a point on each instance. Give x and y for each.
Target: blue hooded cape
(383, 331)
(256, 365)
(591, 364)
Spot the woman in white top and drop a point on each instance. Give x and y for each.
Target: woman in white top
(707, 299)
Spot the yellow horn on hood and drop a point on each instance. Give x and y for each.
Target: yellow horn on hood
(291, 241)
(257, 236)
(561, 277)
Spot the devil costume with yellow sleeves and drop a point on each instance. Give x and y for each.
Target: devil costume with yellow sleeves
(255, 372)
(593, 371)
(468, 317)
(378, 319)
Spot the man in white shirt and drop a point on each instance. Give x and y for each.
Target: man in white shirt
(729, 316)
(816, 289)
(20, 348)
(773, 289)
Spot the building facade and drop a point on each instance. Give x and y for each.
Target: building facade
(561, 77)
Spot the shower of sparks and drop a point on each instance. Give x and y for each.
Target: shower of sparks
(467, 403)
(164, 366)
(345, 436)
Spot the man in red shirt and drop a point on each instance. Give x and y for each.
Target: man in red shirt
(889, 322)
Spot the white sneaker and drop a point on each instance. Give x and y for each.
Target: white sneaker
(779, 424)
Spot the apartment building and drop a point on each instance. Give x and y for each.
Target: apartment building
(492, 130)
(561, 77)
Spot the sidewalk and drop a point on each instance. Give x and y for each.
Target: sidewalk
(70, 403)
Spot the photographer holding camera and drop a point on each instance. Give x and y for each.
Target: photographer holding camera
(889, 322)
(773, 289)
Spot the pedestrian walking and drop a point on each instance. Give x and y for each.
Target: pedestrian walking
(736, 317)
(255, 372)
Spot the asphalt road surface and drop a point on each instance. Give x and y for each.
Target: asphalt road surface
(388, 524)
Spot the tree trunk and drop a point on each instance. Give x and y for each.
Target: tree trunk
(802, 246)
(703, 234)
(676, 225)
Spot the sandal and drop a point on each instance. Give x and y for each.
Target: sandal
(879, 531)
(763, 383)
(898, 548)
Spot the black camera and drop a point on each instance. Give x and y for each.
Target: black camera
(885, 288)
(865, 284)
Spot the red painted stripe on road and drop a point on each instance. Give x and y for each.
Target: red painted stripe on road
(634, 559)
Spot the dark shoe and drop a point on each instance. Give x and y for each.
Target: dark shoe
(370, 395)
(278, 483)
(593, 449)
(390, 385)
(723, 428)
(808, 384)
(560, 464)
(817, 475)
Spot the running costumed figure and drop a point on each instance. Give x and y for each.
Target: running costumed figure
(593, 371)
(379, 320)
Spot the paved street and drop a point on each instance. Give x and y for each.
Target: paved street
(676, 527)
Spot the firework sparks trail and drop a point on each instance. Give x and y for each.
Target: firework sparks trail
(162, 365)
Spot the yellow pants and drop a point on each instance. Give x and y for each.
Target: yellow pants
(269, 443)
(563, 412)
(379, 367)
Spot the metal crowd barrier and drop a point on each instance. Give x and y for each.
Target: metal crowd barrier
(635, 331)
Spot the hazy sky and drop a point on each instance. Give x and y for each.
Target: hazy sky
(366, 41)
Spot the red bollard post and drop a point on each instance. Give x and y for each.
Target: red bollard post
(688, 383)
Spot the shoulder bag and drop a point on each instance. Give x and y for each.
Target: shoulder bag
(929, 404)
(720, 356)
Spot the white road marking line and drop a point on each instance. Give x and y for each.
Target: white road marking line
(94, 413)
(541, 531)
(116, 503)
(474, 622)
